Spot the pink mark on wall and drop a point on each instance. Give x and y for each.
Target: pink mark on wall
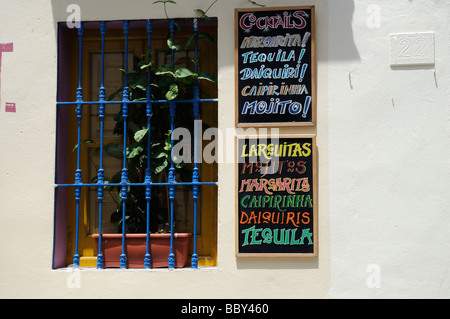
(10, 107)
(5, 47)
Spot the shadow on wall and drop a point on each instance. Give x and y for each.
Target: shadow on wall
(341, 46)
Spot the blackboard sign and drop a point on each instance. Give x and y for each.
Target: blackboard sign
(276, 196)
(275, 66)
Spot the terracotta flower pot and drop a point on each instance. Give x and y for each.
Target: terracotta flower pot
(135, 247)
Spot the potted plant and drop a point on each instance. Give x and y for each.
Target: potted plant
(169, 84)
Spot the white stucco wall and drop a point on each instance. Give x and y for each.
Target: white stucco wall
(382, 137)
(388, 153)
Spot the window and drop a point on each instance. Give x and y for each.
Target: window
(125, 88)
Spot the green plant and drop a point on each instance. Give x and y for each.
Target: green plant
(201, 13)
(166, 83)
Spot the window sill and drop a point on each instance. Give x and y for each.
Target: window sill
(200, 268)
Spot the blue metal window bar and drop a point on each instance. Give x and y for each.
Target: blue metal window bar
(124, 184)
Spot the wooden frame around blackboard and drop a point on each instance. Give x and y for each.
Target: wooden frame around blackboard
(314, 163)
(313, 70)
